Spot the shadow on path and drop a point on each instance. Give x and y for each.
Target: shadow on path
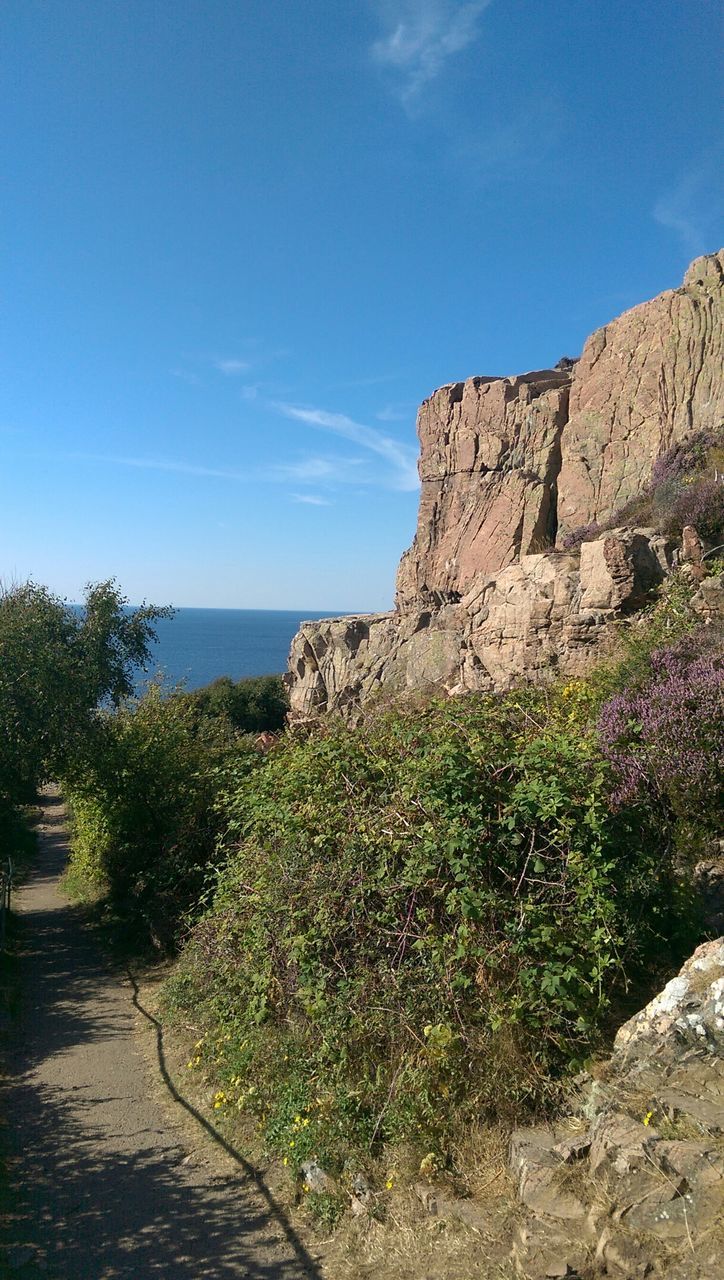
(248, 1169)
(101, 1186)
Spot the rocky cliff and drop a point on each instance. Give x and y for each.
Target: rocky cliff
(486, 595)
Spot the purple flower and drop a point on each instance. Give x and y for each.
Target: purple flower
(666, 737)
(584, 533)
(682, 458)
(701, 505)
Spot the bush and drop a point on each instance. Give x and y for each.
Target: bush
(144, 818)
(684, 458)
(584, 533)
(421, 919)
(250, 706)
(685, 487)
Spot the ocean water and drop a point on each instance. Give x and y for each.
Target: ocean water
(199, 645)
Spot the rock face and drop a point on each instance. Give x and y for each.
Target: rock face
(632, 1183)
(649, 378)
(542, 616)
(489, 456)
(508, 466)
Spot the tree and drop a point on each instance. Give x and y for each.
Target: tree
(57, 666)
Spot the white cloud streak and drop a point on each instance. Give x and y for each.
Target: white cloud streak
(232, 368)
(691, 209)
(402, 458)
(311, 499)
(162, 464)
(310, 470)
(392, 414)
(318, 470)
(421, 36)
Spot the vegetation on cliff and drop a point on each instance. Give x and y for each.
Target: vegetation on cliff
(389, 931)
(685, 488)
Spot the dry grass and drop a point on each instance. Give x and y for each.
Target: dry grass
(401, 1240)
(409, 1242)
(411, 1245)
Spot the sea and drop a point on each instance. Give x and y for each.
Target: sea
(196, 646)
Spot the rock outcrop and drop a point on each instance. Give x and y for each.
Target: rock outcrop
(489, 457)
(632, 1183)
(485, 596)
(649, 378)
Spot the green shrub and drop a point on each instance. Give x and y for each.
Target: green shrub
(250, 706)
(420, 919)
(144, 818)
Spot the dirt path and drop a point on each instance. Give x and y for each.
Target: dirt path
(102, 1183)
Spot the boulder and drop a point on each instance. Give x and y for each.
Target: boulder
(619, 570)
(688, 1012)
(648, 1170)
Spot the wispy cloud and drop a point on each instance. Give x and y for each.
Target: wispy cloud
(692, 209)
(392, 413)
(184, 375)
(309, 470)
(164, 464)
(421, 36)
(401, 457)
(311, 499)
(317, 470)
(232, 367)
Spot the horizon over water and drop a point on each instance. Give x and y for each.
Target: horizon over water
(197, 646)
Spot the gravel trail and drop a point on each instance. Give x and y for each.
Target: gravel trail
(103, 1185)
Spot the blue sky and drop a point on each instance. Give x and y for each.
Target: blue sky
(242, 241)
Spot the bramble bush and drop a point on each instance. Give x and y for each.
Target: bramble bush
(143, 809)
(421, 919)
